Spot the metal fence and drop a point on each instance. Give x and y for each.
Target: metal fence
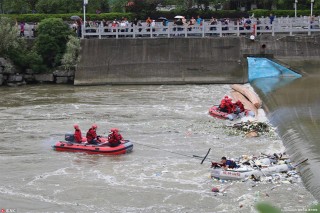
(289, 26)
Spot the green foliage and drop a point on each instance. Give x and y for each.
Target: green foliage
(71, 56)
(315, 208)
(117, 5)
(25, 58)
(8, 35)
(283, 13)
(16, 48)
(65, 17)
(16, 6)
(266, 208)
(51, 41)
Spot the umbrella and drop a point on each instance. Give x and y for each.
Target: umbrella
(178, 17)
(75, 18)
(162, 18)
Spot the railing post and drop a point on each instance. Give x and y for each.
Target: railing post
(134, 30)
(168, 30)
(220, 29)
(100, 29)
(272, 27)
(185, 31)
(117, 32)
(203, 28)
(151, 28)
(238, 29)
(291, 27)
(309, 28)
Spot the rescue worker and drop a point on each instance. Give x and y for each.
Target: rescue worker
(114, 138)
(92, 137)
(226, 105)
(77, 134)
(238, 107)
(228, 164)
(229, 105)
(223, 106)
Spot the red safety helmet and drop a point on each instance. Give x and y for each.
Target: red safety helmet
(76, 126)
(94, 126)
(226, 97)
(114, 130)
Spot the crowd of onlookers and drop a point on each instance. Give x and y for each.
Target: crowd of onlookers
(178, 24)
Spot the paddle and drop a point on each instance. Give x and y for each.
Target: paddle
(205, 156)
(298, 164)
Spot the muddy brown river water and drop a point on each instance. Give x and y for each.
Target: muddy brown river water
(35, 178)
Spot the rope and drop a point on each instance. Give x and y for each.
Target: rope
(176, 153)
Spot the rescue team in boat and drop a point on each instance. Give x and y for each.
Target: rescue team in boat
(114, 138)
(227, 106)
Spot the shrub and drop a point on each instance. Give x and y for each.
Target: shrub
(8, 35)
(66, 17)
(71, 56)
(51, 41)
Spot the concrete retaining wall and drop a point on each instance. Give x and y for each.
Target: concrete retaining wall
(188, 60)
(160, 61)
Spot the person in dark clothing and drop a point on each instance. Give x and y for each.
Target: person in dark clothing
(92, 137)
(228, 164)
(77, 134)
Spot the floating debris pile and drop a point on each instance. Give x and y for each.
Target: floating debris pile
(251, 129)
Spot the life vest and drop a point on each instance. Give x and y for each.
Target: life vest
(91, 134)
(114, 138)
(77, 136)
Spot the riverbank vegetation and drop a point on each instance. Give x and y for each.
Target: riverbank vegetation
(45, 52)
(38, 10)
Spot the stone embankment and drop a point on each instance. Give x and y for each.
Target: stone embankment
(11, 76)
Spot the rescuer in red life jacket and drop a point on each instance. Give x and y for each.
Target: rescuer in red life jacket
(238, 107)
(77, 134)
(92, 137)
(114, 138)
(223, 106)
(226, 105)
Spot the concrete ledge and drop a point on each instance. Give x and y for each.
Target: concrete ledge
(160, 61)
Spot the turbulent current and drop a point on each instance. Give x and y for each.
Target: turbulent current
(35, 178)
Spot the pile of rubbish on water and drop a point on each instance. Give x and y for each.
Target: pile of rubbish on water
(251, 128)
(275, 169)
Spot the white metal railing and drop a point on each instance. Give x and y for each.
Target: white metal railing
(290, 26)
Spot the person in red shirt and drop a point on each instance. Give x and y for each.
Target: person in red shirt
(77, 134)
(92, 137)
(114, 138)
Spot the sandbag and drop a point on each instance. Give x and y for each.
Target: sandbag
(237, 96)
(249, 94)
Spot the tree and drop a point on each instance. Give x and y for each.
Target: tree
(16, 6)
(117, 5)
(9, 35)
(71, 56)
(32, 4)
(143, 7)
(51, 41)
